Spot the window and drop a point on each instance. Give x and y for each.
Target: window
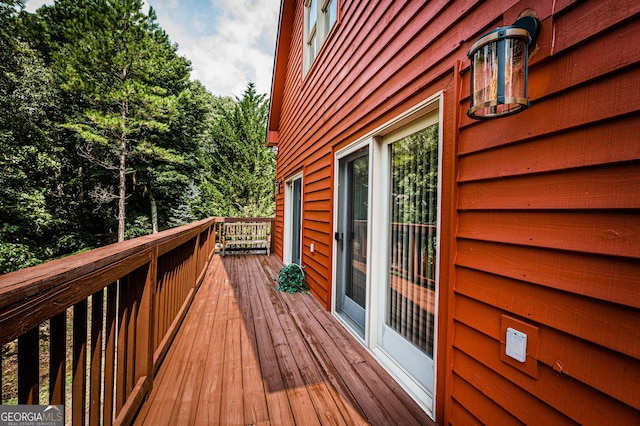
(330, 13)
(319, 18)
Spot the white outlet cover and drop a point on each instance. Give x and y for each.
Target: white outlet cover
(516, 346)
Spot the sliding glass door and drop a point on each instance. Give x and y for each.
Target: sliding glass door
(293, 221)
(386, 248)
(351, 238)
(408, 299)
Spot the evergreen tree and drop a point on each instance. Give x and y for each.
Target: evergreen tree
(164, 181)
(184, 213)
(28, 157)
(242, 168)
(97, 114)
(123, 77)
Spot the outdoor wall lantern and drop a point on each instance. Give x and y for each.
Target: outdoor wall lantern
(499, 70)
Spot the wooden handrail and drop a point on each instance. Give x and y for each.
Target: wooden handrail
(122, 304)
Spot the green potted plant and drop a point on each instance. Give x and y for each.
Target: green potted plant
(292, 279)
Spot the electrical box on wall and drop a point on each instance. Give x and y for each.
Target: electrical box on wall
(519, 344)
(516, 346)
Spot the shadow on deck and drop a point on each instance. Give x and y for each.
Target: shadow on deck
(248, 354)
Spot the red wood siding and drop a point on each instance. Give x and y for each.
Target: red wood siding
(540, 210)
(548, 232)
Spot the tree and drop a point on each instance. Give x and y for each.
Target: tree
(123, 77)
(102, 133)
(28, 156)
(164, 181)
(241, 168)
(184, 213)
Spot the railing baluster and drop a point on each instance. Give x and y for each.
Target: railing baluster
(95, 389)
(110, 354)
(138, 280)
(79, 362)
(121, 353)
(28, 367)
(160, 313)
(131, 334)
(57, 358)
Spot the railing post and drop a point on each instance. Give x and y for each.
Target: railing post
(146, 318)
(110, 354)
(198, 257)
(272, 244)
(122, 330)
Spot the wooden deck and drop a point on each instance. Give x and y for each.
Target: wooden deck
(247, 354)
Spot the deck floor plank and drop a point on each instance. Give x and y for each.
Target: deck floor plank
(232, 408)
(297, 392)
(248, 354)
(277, 400)
(255, 403)
(209, 400)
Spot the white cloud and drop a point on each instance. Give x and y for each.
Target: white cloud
(229, 42)
(33, 5)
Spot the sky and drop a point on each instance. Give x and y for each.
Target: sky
(229, 42)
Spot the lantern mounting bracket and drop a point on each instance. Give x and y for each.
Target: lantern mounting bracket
(530, 24)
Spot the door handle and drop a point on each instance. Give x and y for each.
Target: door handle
(339, 236)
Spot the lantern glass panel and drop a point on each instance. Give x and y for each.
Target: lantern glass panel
(485, 74)
(515, 76)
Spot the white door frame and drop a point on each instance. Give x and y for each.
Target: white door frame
(339, 155)
(288, 216)
(377, 263)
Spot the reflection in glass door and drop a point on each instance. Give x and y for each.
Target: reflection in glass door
(351, 238)
(296, 228)
(293, 221)
(408, 303)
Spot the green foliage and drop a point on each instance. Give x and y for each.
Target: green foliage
(415, 177)
(16, 256)
(119, 66)
(241, 169)
(141, 225)
(184, 213)
(94, 98)
(28, 152)
(292, 279)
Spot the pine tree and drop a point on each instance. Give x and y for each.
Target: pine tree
(124, 76)
(184, 213)
(242, 167)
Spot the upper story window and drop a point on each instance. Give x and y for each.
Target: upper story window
(319, 18)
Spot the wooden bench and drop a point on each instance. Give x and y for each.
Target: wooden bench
(246, 236)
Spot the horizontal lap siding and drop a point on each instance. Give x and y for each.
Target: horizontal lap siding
(377, 63)
(546, 202)
(549, 231)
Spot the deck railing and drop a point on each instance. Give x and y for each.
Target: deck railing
(117, 308)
